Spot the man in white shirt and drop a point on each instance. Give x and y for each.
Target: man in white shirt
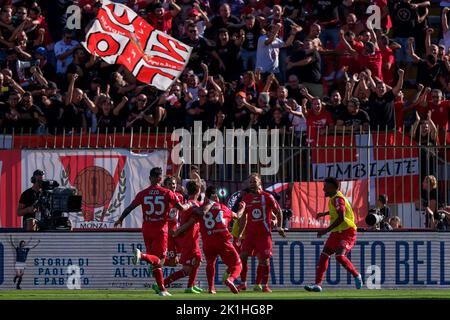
(64, 51)
(268, 50)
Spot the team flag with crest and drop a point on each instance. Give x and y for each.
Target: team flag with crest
(120, 36)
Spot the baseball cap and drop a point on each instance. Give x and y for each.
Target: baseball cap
(52, 85)
(41, 51)
(38, 173)
(194, 12)
(241, 94)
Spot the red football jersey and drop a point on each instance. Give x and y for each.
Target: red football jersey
(156, 203)
(214, 224)
(173, 214)
(190, 237)
(259, 208)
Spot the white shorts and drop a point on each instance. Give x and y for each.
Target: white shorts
(20, 266)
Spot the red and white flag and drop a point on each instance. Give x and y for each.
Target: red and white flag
(120, 36)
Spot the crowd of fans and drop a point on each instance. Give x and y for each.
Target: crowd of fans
(300, 64)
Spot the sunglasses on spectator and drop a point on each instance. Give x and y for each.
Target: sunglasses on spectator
(21, 13)
(192, 31)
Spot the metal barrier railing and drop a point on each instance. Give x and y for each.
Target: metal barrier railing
(391, 162)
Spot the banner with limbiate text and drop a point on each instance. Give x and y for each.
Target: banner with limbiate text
(103, 260)
(107, 180)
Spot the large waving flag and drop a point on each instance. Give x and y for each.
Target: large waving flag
(120, 36)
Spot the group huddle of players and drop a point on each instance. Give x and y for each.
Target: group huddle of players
(172, 225)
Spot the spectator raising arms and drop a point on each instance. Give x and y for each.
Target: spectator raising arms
(272, 64)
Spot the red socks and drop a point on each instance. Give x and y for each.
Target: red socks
(157, 271)
(265, 278)
(193, 276)
(322, 267)
(262, 274)
(159, 277)
(347, 264)
(210, 273)
(234, 272)
(153, 260)
(174, 277)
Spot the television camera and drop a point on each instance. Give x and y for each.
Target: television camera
(53, 201)
(375, 218)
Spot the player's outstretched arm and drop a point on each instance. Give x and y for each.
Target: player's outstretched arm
(279, 216)
(12, 242)
(336, 223)
(242, 224)
(124, 214)
(184, 227)
(322, 214)
(240, 211)
(183, 207)
(178, 172)
(201, 211)
(37, 243)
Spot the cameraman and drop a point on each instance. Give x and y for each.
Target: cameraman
(378, 218)
(440, 220)
(27, 208)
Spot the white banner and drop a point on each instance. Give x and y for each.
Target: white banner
(404, 260)
(108, 180)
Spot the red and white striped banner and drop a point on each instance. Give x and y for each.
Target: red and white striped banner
(388, 161)
(120, 36)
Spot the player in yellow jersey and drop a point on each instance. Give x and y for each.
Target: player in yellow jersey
(342, 237)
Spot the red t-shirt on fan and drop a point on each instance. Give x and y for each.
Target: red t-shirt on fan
(346, 59)
(388, 74)
(156, 203)
(259, 208)
(163, 24)
(439, 113)
(318, 121)
(373, 63)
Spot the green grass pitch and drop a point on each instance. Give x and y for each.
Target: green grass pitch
(221, 295)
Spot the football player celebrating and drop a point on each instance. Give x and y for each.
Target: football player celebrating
(173, 247)
(156, 203)
(189, 233)
(261, 211)
(233, 204)
(342, 237)
(217, 241)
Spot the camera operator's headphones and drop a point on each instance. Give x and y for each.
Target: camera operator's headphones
(36, 173)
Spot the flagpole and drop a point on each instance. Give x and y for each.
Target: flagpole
(145, 110)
